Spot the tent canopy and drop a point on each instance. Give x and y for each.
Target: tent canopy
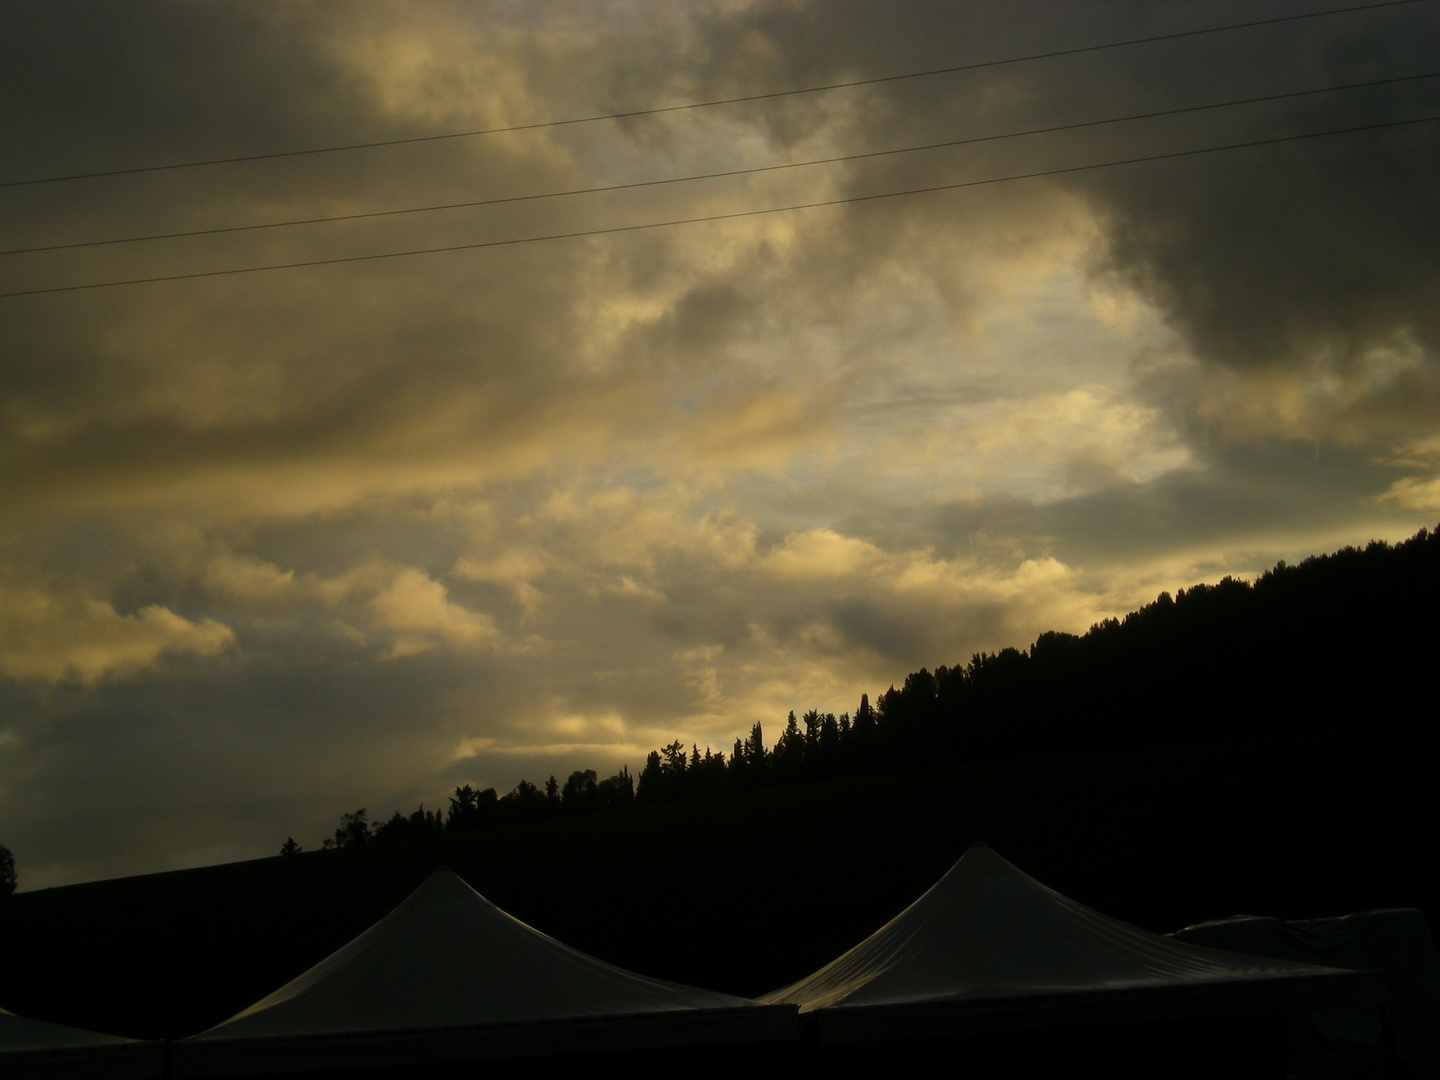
(449, 976)
(990, 945)
(36, 1048)
(1396, 942)
(18, 1033)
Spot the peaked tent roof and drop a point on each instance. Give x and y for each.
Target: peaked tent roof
(989, 947)
(449, 976)
(37, 1048)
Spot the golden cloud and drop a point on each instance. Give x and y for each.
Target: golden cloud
(68, 636)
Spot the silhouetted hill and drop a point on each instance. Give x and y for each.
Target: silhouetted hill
(1347, 638)
(1260, 748)
(747, 891)
(1343, 639)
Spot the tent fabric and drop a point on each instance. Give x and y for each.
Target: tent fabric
(449, 976)
(1396, 942)
(18, 1033)
(988, 947)
(37, 1048)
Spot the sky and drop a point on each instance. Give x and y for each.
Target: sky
(276, 545)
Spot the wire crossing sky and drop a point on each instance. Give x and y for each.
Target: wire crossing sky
(743, 99)
(751, 171)
(614, 229)
(752, 406)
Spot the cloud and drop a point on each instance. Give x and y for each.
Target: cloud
(402, 606)
(353, 534)
(53, 637)
(417, 611)
(1310, 258)
(1421, 489)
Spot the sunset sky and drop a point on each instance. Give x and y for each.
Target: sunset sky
(278, 545)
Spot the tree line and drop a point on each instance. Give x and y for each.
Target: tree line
(472, 809)
(1343, 638)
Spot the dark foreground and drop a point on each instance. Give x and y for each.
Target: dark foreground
(745, 893)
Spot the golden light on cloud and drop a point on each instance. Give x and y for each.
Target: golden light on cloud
(393, 524)
(1416, 492)
(58, 637)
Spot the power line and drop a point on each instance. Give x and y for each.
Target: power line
(721, 217)
(772, 95)
(750, 171)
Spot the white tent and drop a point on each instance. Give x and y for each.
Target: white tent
(447, 976)
(988, 948)
(35, 1048)
(1396, 942)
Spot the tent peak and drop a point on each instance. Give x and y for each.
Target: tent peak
(988, 933)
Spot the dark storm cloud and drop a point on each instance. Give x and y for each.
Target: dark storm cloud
(887, 633)
(110, 86)
(1262, 256)
(1321, 249)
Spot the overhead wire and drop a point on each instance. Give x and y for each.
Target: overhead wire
(617, 229)
(740, 99)
(719, 174)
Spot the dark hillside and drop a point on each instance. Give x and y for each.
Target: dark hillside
(1343, 642)
(1347, 638)
(747, 891)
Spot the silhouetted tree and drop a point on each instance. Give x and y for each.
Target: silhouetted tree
(789, 755)
(672, 758)
(695, 775)
(616, 792)
(427, 821)
(663, 778)
(861, 745)
(420, 822)
(737, 775)
(582, 792)
(824, 758)
(911, 713)
(465, 813)
(8, 880)
(552, 795)
(652, 781)
(1344, 634)
(812, 721)
(756, 765)
(290, 847)
(525, 802)
(354, 831)
(708, 775)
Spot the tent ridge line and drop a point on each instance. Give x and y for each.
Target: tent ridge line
(599, 1019)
